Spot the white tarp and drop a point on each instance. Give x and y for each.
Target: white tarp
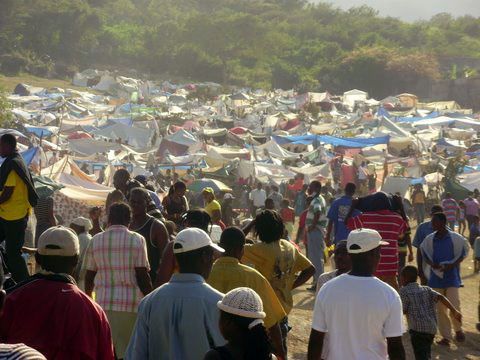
(92, 146)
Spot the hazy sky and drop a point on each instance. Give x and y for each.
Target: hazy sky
(414, 9)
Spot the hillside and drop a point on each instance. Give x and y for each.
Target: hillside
(267, 43)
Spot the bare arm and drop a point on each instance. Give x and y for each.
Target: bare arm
(51, 216)
(216, 216)
(300, 232)
(249, 227)
(6, 194)
(159, 236)
(166, 266)
(143, 280)
(315, 345)
(395, 347)
(316, 217)
(304, 276)
(276, 339)
(90, 282)
(329, 232)
(408, 240)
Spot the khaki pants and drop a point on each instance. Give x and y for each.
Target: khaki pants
(121, 325)
(445, 322)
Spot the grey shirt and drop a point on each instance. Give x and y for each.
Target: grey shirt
(179, 320)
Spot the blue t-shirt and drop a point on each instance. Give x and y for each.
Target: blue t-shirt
(443, 252)
(423, 231)
(337, 214)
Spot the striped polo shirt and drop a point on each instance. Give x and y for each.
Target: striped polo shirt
(450, 208)
(390, 226)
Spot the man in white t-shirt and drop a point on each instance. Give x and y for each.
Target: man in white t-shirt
(361, 314)
(257, 198)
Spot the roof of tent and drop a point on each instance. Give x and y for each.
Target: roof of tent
(182, 137)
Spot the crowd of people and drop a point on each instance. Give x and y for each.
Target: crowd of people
(146, 280)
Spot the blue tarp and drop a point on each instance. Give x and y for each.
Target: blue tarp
(417, 181)
(38, 131)
(331, 140)
(353, 142)
(413, 119)
(382, 112)
(28, 155)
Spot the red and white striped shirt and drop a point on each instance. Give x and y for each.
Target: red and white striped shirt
(390, 226)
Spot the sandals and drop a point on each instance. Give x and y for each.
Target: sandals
(444, 342)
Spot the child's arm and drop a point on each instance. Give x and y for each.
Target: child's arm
(456, 314)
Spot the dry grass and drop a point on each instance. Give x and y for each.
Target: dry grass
(8, 83)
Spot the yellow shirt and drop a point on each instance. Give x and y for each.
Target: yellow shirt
(17, 207)
(228, 274)
(279, 262)
(212, 206)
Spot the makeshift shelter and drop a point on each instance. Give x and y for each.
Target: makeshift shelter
(80, 190)
(407, 100)
(352, 96)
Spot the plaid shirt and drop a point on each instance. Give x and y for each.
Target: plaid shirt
(114, 255)
(419, 305)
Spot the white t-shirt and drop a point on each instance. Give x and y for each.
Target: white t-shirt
(358, 313)
(258, 197)
(362, 173)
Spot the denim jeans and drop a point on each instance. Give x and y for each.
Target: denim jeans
(316, 249)
(419, 213)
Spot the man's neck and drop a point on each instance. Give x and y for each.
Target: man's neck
(442, 232)
(361, 272)
(139, 217)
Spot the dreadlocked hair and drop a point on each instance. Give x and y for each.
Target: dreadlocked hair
(269, 226)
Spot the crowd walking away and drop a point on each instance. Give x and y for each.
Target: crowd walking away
(179, 266)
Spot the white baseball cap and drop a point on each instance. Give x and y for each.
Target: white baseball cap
(192, 239)
(363, 240)
(58, 241)
(83, 222)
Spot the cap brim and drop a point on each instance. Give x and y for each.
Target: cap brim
(384, 243)
(216, 247)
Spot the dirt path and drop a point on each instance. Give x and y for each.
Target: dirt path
(301, 317)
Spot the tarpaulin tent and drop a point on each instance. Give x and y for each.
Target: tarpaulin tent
(28, 155)
(353, 142)
(41, 131)
(134, 136)
(458, 191)
(331, 140)
(92, 146)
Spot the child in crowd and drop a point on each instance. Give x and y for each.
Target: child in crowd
(288, 216)
(419, 305)
(241, 324)
(462, 224)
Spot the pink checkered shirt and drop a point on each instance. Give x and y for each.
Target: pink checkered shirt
(114, 255)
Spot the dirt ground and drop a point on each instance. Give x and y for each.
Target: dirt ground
(301, 317)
